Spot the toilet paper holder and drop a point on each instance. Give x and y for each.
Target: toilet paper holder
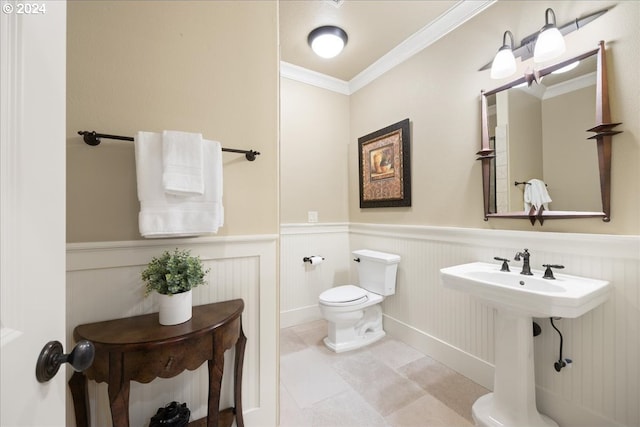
(314, 259)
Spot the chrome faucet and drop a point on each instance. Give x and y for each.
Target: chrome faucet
(526, 268)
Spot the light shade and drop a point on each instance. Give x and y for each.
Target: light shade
(327, 41)
(550, 43)
(504, 64)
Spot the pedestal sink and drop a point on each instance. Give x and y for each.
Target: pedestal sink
(517, 299)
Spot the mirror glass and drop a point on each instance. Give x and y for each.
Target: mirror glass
(538, 131)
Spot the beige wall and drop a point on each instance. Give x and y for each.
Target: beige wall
(571, 188)
(525, 144)
(438, 89)
(209, 67)
(313, 152)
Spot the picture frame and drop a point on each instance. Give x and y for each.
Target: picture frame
(385, 167)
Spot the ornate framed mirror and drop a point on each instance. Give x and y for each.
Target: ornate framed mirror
(533, 132)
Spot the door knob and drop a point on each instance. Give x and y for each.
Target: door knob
(51, 357)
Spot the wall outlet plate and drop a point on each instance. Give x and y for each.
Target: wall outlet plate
(312, 216)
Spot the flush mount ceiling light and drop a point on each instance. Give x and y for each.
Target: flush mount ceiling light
(504, 64)
(327, 41)
(550, 43)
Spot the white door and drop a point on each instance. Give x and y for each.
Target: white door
(32, 207)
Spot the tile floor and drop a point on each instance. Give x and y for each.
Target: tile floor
(386, 384)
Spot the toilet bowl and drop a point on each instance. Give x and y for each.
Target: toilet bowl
(353, 313)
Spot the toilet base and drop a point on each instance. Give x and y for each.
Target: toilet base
(348, 330)
(361, 341)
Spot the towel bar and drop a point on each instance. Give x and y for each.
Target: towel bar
(93, 138)
(524, 183)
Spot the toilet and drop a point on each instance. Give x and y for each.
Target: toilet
(353, 312)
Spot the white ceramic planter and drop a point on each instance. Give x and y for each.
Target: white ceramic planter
(175, 309)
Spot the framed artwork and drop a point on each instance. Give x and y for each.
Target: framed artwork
(385, 167)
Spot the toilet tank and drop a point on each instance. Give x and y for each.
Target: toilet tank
(377, 271)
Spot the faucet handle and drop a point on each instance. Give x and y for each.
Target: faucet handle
(505, 263)
(548, 273)
(524, 254)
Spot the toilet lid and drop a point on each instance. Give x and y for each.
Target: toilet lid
(347, 294)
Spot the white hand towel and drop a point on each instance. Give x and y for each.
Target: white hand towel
(182, 163)
(536, 195)
(166, 215)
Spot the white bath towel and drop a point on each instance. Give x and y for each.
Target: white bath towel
(167, 215)
(182, 163)
(536, 195)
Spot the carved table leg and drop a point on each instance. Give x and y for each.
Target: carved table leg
(118, 392)
(216, 368)
(78, 387)
(237, 377)
(119, 402)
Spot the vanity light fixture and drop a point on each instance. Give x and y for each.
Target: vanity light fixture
(550, 43)
(327, 41)
(525, 49)
(504, 64)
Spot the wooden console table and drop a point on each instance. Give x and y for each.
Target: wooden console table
(140, 349)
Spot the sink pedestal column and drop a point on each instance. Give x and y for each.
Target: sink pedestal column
(513, 401)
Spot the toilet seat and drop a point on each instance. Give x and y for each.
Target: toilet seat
(342, 296)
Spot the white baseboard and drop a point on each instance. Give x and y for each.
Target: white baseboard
(569, 414)
(458, 331)
(563, 411)
(299, 316)
(468, 365)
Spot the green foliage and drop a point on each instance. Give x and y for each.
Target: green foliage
(173, 273)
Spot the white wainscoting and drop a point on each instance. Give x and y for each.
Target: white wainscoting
(602, 387)
(302, 283)
(103, 282)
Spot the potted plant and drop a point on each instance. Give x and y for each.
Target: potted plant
(172, 276)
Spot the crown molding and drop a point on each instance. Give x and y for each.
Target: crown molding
(543, 92)
(577, 83)
(460, 13)
(304, 75)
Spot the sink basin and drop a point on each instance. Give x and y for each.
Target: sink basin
(517, 298)
(566, 296)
